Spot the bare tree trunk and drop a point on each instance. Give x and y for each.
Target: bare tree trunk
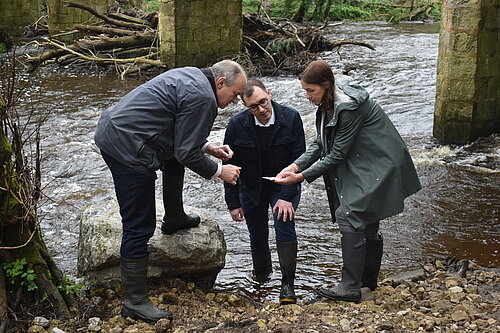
(301, 12)
(326, 11)
(20, 235)
(318, 10)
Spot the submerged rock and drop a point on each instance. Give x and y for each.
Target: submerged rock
(195, 254)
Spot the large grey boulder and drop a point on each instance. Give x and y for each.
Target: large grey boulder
(195, 254)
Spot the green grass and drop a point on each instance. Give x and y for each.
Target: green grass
(150, 6)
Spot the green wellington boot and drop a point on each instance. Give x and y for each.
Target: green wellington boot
(373, 260)
(136, 302)
(175, 218)
(353, 257)
(287, 253)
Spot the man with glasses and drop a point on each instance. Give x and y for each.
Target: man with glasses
(265, 137)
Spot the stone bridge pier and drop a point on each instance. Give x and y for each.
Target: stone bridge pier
(15, 15)
(199, 32)
(468, 73)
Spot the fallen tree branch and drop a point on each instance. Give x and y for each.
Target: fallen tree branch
(352, 42)
(129, 70)
(263, 49)
(104, 30)
(109, 60)
(127, 18)
(138, 39)
(106, 18)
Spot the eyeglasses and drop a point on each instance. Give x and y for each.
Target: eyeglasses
(255, 107)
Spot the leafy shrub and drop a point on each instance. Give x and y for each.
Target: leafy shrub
(343, 12)
(17, 273)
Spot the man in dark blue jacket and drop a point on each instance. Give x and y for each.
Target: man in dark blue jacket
(266, 137)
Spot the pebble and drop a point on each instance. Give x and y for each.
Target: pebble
(432, 302)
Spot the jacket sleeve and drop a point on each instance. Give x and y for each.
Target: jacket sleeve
(350, 123)
(288, 192)
(310, 156)
(231, 192)
(193, 123)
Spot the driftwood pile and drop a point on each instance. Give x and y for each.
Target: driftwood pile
(129, 42)
(281, 46)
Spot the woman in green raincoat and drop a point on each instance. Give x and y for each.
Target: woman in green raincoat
(367, 170)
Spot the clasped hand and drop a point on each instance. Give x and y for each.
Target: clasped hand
(289, 175)
(222, 152)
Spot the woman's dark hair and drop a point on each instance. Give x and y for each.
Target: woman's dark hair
(319, 72)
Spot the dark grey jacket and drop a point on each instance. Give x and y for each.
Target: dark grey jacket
(170, 115)
(362, 157)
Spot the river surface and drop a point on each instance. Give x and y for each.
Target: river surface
(456, 213)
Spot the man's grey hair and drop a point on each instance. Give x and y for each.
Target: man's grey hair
(228, 69)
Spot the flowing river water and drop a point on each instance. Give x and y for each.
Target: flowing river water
(456, 213)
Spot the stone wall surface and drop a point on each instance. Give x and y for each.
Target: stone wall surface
(199, 32)
(15, 15)
(468, 75)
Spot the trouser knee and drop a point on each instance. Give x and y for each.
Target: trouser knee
(173, 167)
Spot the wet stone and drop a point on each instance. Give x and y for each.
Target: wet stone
(459, 315)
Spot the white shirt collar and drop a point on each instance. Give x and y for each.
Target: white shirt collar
(269, 123)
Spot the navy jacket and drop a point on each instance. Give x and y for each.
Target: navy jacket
(287, 143)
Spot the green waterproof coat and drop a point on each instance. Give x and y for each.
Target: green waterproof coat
(365, 163)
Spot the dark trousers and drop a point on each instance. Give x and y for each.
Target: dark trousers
(135, 192)
(370, 232)
(173, 167)
(257, 219)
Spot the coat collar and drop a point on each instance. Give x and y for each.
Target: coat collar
(347, 97)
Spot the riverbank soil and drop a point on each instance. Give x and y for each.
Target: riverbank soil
(433, 301)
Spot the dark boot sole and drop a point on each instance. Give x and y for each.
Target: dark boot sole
(126, 313)
(321, 292)
(170, 231)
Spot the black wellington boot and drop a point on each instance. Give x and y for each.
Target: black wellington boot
(136, 302)
(373, 260)
(262, 267)
(353, 257)
(175, 218)
(287, 253)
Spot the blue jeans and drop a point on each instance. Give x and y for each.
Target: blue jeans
(257, 219)
(135, 192)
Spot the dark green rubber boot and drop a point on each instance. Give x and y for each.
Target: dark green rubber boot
(373, 260)
(175, 218)
(287, 253)
(353, 257)
(136, 302)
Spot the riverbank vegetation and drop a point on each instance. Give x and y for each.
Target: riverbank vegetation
(340, 10)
